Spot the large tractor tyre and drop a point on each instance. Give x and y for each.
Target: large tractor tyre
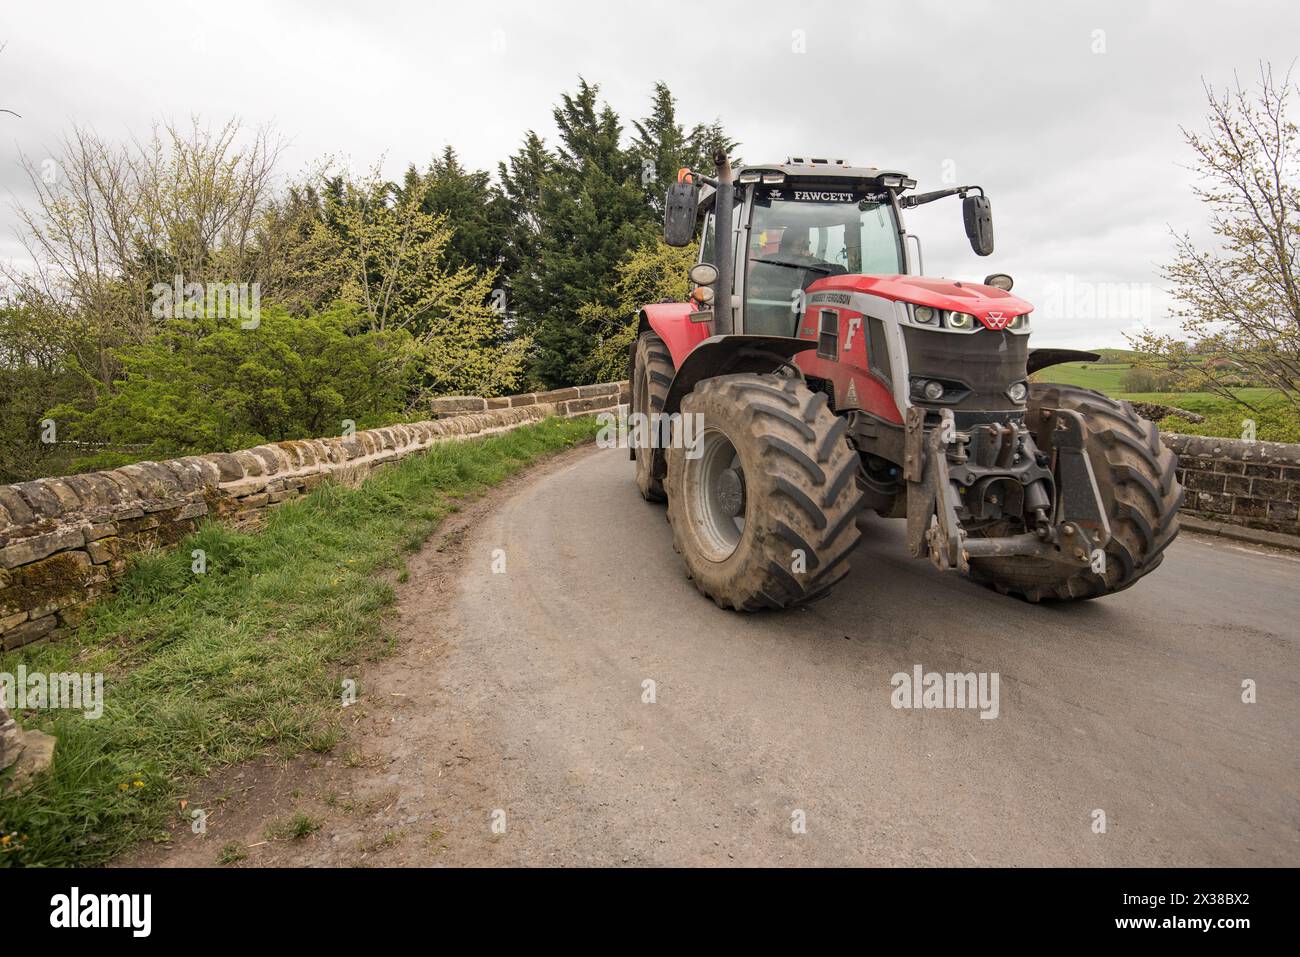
(652, 376)
(1135, 476)
(763, 499)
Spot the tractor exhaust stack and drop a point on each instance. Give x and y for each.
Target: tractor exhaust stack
(723, 318)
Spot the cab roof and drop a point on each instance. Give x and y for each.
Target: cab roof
(810, 168)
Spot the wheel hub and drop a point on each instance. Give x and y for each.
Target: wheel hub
(731, 492)
(716, 495)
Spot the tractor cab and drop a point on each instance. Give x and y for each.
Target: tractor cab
(802, 232)
(799, 221)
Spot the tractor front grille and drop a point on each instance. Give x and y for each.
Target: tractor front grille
(985, 363)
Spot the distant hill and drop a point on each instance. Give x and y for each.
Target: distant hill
(1116, 355)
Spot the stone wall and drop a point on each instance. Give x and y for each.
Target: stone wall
(1253, 484)
(576, 400)
(63, 541)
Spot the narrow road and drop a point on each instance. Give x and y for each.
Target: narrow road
(512, 724)
(1131, 705)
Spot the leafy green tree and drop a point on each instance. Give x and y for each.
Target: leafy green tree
(285, 230)
(379, 250)
(1238, 301)
(577, 210)
(118, 219)
(473, 207)
(521, 189)
(593, 212)
(37, 370)
(662, 146)
(652, 272)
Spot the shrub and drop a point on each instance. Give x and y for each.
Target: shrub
(203, 385)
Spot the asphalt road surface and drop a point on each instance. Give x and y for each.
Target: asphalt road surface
(772, 737)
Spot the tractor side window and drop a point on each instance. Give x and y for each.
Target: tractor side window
(706, 244)
(828, 336)
(877, 241)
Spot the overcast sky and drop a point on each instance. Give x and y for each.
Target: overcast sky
(1068, 114)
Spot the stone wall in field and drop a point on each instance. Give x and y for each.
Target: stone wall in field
(63, 541)
(1253, 484)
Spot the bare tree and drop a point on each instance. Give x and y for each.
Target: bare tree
(1240, 303)
(110, 221)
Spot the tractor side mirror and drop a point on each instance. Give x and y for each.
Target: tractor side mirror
(978, 216)
(679, 213)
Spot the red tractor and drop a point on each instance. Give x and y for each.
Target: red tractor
(815, 376)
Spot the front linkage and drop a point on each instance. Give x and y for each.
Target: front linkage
(954, 478)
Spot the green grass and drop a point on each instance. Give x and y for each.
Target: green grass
(294, 829)
(204, 671)
(1088, 375)
(1117, 355)
(1275, 419)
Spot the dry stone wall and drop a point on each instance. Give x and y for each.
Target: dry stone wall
(1252, 484)
(63, 541)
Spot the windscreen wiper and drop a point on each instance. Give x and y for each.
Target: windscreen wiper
(817, 267)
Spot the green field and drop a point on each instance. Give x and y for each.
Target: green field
(1089, 375)
(1275, 420)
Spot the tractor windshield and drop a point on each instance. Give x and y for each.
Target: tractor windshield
(798, 236)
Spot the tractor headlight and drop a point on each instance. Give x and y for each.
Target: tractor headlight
(960, 320)
(1018, 392)
(924, 314)
(933, 390)
(1019, 322)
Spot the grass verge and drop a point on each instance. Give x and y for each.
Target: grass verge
(203, 671)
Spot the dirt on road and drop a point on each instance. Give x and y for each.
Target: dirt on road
(563, 696)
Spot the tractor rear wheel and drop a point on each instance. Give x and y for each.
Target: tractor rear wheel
(1141, 495)
(763, 505)
(651, 377)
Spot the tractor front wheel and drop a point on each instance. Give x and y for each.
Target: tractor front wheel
(762, 498)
